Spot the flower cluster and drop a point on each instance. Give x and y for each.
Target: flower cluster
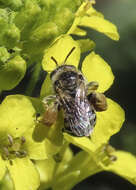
(34, 156)
(27, 28)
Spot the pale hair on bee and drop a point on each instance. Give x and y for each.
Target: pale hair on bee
(77, 98)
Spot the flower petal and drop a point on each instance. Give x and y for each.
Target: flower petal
(59, 50)
(16, 116)
(23, 174)
(83, 142)
(93, 12)
(87, 16)
(86, 45)
(44, 90)
(46, 170)
(53, 135)
(124, 166)
(86, 8)
(101, 25)
(108, 123)
(35, 150)
(96, 69)
(75, 29)
(2, 168)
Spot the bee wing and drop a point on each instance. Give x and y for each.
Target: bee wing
(80, 93)
(77, 117)
(70, 103)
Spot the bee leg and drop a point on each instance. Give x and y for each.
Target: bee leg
(98, 100)
(50, 115)
(92, 86)
(64, 130)
(51, 106)
(45, 101)
(37, 116)
(48, 99)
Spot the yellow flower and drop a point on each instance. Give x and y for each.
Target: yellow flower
(87, 16)
(17, 147)
(94, 68)
(97, 155)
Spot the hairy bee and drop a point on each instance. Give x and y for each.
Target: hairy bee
(74, 96)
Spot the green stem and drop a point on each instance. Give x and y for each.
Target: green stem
(61, 154)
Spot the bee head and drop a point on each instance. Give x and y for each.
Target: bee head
(65, 76)
(55, 75)
(62, 72)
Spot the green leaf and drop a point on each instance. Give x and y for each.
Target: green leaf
(59, 50)
(96, 69)
(12, 72)
(24, 174)
(16, 116)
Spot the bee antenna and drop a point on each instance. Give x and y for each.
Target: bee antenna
(54, 60)
(69, 54)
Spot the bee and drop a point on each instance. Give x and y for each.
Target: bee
(75, 97)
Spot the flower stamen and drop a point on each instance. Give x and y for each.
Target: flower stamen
(14, 148)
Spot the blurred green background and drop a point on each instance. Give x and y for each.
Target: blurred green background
(122, 58)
